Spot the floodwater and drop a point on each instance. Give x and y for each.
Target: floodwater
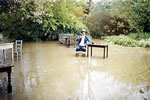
(51, 71)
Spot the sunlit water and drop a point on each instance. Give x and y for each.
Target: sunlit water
(51, 71)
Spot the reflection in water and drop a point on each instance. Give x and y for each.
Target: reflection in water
(50, 71)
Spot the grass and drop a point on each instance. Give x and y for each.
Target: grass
(131, 40)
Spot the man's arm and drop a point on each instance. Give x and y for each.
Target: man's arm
(78, 38)
(88, 39)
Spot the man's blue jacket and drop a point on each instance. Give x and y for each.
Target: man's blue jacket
(85, 39)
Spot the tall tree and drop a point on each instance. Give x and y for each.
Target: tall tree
(139, 16)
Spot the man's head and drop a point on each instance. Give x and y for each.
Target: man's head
(83, 32)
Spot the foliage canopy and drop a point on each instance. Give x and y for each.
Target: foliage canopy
(40, 19)
(119, 17)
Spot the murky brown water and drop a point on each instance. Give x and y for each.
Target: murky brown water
(50, 71)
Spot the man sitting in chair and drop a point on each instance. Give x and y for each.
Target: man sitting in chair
(82, 41)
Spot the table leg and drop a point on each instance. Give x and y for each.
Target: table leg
(4, 55)
(91, 50)
(12, 51)
(87, 50)
(107, 50)
(65, 40)
(69, 42)
(9, 87)
(104, 53)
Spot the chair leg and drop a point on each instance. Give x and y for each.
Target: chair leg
(16, 54)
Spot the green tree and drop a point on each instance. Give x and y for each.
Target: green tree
(40, 19)
(139, 16)
(108, 17)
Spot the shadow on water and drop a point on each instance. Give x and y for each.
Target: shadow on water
(50, 71)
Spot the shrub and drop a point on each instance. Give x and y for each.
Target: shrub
(139, 36)
(127, 41)
(144, 43)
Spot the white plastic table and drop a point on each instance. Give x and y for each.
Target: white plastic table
(5, 46)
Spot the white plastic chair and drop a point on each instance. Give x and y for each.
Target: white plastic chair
(81, 52)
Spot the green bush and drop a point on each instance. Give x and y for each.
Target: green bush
(139, 36)
(144, 43)
(127, 41)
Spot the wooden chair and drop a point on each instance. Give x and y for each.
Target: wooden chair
(18, 47)
(72, 41)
